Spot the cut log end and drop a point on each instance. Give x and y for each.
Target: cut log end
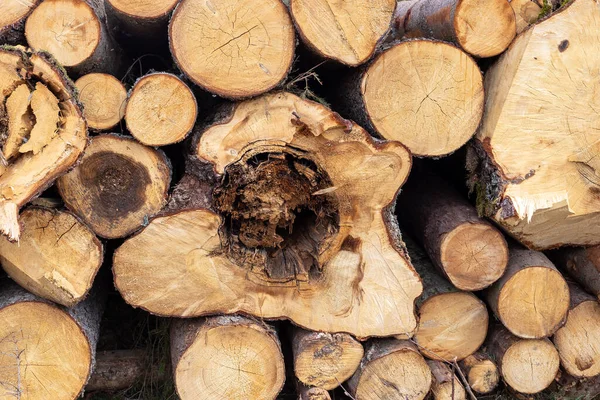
(42, 130)
(144, 10)
(57, 256)
(347, 31)
(312, 393)
(445, 385)
(481, 373)
(72, 38)
(325, 360)
(246, 47)
(227, 357)
(104, 98)
(530, 365)
(534, 302)
(526, 13)
(13, 14)
(484, 28)
(291, 216)
(161, 110)
(427, 95)
(474, 255)
(391, 369)
(117, 186)
(448, 333)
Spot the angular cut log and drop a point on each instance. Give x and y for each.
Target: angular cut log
(38, 142)
(161, 110)
(427, 95)
(13, 14)
(481, 372)
(452, 324)
(532, 298)
(527, 365)
(311, 393)
(233, 48)
(391, 369)
(578, 341)
(227, 357)
(581, 264)
(526, 12)
(143, 22)
(467, 249)
(325, 360)
(75, 33)
(445, 384)
(117, 186)
(346, 31)
(46, 351)
(301, 220)
(483, 28)
(57, 256)
(104, 98)
(534, 163)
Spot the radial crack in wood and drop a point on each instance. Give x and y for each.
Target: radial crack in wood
(346, 31)
(118, 185)
(333, 251)
(534, 165)
(42, 133)
(233, 48)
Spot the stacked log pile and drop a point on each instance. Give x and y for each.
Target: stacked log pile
(265, 175)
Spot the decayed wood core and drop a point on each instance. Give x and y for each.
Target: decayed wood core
(57, 256)
(144, 9)
(104, 98)
(233, 48)
(42, 130)
(346, 31)
(161, 110)
(427, 95)
(305, 198)
(68, 29)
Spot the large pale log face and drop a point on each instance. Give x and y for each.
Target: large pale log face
(278, 216)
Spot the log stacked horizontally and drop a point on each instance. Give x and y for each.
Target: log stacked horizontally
(309, 199)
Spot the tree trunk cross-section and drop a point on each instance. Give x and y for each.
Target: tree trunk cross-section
(104, 98)
(233, 48)
(13, 14)
(321, 252)
(481, 372)
(42, 130)
(535, 161)
(227, 357)
(345, 31)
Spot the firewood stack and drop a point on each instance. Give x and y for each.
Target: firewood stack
(368, 199)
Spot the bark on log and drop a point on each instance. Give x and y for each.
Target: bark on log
(581, 264)
(104, 98)
(343, 246)
(527, 365)
(347, 32)
(161, 110)
(526, 12)
(47, 351)
(534, 164)
(117, 186)
(425, 94)
(228, 357)
(311, 392)
(57, 256)
(445, 385)
(233, 48)
(13, 14)
(75, 33)
(570, 387)
(578, 341)
(391, 369)
(452, 323)
(483, 28)
(324, 360)
(140, 24)
(468, 250)
(481, 372)
(532, 298)
(42, 131)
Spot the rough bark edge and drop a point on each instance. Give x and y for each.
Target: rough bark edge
(14, 34)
